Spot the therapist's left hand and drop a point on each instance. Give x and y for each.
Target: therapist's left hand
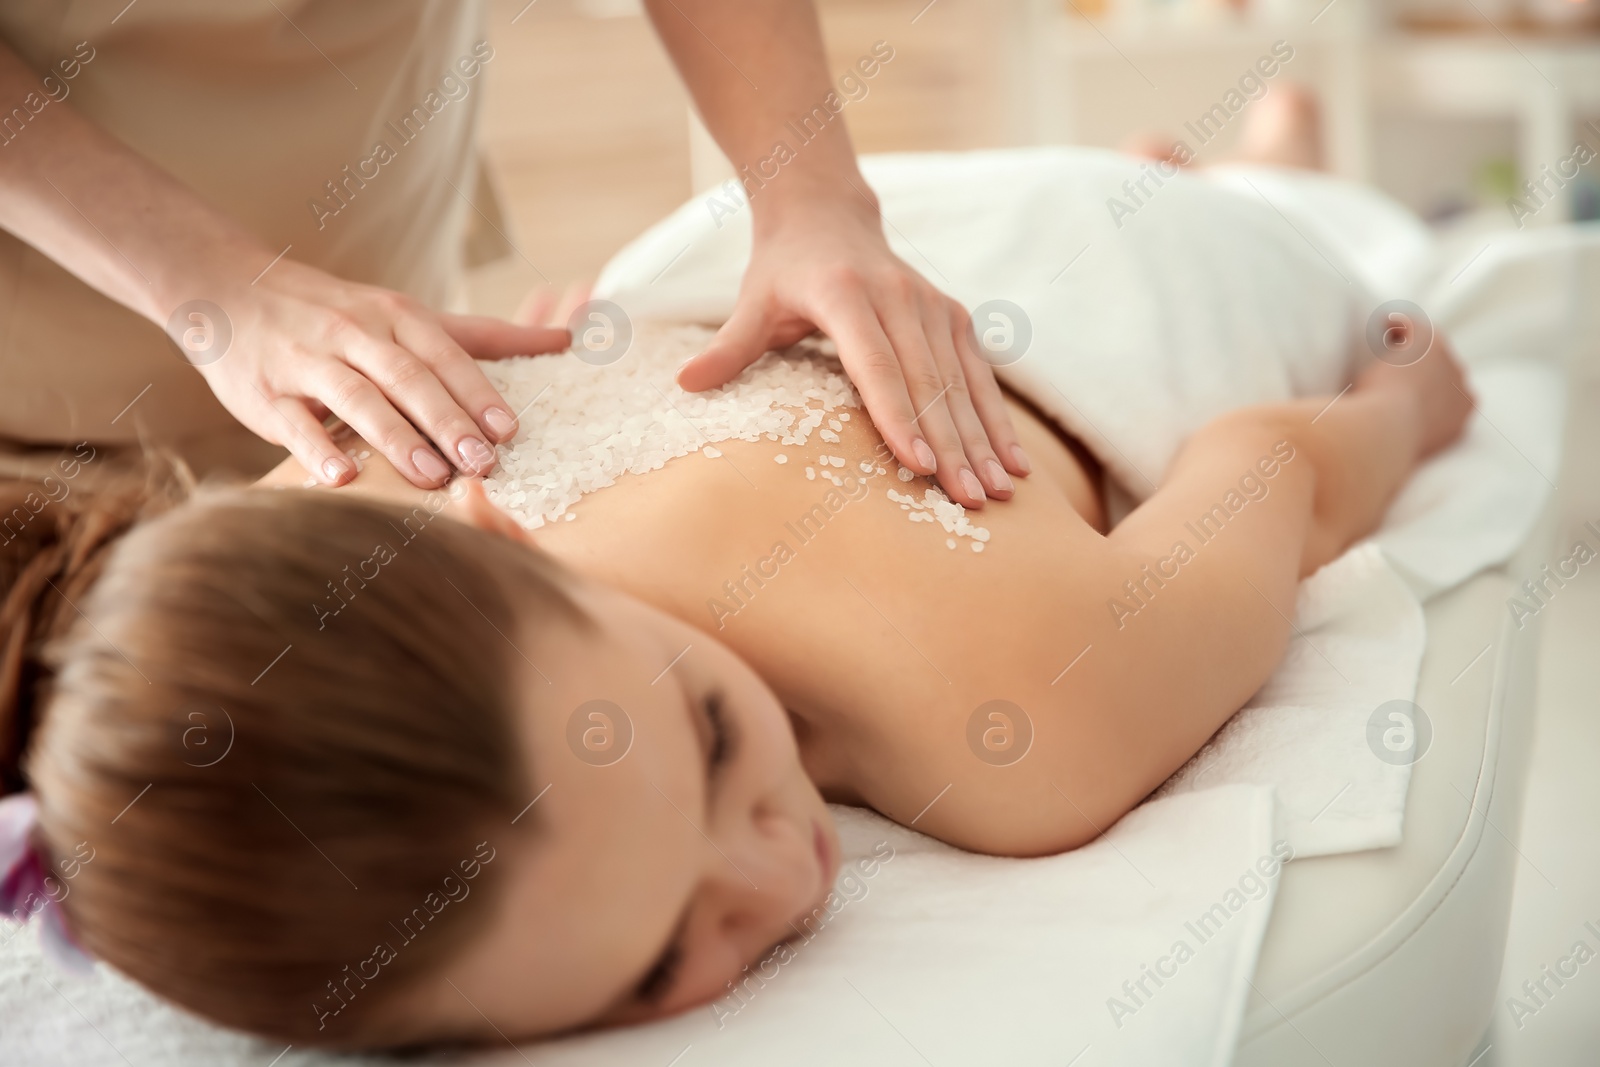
(908, 348)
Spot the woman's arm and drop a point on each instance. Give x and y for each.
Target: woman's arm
(1186, 605)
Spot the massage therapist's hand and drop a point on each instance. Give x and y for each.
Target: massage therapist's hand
(908, 347)
(303, 343)
(306, 344)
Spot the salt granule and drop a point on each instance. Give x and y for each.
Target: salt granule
(936, 507)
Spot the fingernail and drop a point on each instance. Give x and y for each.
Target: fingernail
(500, 421)
(924, 454)
(334, 470)
(998, 476)
(475, 454)
(429, 465)
(1020, 458)
(971, 485)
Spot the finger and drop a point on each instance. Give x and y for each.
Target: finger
(741, 341)
(309, 442)
(987, 398)
(578, 294)
(466, 411)
(350, 395)
(535, 307)
(414, 389)
(929, 392)
(869, 358)
(984, 465)
(486, 337)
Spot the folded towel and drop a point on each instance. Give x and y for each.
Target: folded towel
(1358, 647)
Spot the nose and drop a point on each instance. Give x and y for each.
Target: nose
(764, 881)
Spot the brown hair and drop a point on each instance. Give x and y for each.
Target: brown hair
(281, 721)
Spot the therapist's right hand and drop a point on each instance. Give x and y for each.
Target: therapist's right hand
(306, 344)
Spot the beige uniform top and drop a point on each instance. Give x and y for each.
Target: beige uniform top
(340, 129)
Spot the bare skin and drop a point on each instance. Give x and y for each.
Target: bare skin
(1284, 130)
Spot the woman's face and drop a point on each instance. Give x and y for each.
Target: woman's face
(676, 837)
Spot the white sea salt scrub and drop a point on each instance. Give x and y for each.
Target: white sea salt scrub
(936, 507)
(584, 426)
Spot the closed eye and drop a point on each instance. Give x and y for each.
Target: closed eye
(720, 742)
(720, 750)
(653, 987)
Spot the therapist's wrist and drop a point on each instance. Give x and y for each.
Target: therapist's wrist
(808, 201)
(217, 262)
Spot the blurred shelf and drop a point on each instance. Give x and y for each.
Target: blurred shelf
(1544, 81)
(1469, 74)
(1082, 38)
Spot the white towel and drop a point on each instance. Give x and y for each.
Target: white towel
(1359, 646)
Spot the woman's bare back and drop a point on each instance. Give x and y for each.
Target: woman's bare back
(881, 634)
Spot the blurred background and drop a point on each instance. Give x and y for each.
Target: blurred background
(1448, 105)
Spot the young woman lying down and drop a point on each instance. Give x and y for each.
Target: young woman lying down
(369, 766)
(337, 707)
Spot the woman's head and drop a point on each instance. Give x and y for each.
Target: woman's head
(340, 768)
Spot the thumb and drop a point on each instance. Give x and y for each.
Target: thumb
(741, 341)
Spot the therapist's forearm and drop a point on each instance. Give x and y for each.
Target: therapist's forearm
(107, 215)
(753, 65)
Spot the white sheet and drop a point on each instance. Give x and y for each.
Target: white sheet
(932, 940)
(952, 958)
